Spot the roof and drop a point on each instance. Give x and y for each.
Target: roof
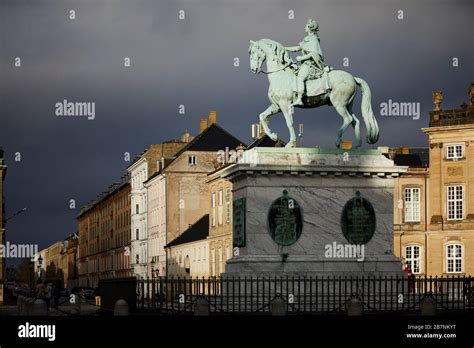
(423, 153)
(410, 160)
(140, 156)
(213, 138)
(115, 187)
(265, 141)
(198, 231)
(158, 172)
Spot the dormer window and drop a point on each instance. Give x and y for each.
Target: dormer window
(192, 160)
(454, 152)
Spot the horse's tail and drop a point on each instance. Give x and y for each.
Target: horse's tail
(367, 114)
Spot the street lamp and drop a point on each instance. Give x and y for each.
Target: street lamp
(15, 214)
(40, 261)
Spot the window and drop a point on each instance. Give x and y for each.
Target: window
(227, 206)
(412, 258)
(455, 202)
(137, 210)
(412, 205)
(220, 207)
(137, 234)
(192, 160)
(213, 204)
(454, 151)
(454, 258)
(187, 265)
(137, 259)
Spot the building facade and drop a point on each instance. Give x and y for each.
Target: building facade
(140, 171)
(220, 224)
(104, 236)
(70, 256)
(182, 184)
(156, 194)
(138, 174)
(50, 269)
(188, 255)
(434, 206)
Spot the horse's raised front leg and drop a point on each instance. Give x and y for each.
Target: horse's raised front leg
(271, 110)
(287, 112)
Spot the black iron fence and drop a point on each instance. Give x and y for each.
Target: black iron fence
(304, 294)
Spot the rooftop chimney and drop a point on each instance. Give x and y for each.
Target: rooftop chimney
(202, 125)
(212, 117)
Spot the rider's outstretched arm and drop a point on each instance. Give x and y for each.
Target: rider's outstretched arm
(293, 48)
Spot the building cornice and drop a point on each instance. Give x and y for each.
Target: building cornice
(137, 163)
(447, 129)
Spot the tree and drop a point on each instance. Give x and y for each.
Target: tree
(25, 272)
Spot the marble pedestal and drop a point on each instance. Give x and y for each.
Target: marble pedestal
(321, 181)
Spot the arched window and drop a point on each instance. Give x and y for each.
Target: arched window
(413, 258)
(454, 258)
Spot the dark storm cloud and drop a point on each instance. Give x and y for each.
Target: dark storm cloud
(190, 62)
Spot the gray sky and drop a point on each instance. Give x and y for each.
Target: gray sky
(190, 62)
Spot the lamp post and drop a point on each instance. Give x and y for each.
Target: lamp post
(15, 214)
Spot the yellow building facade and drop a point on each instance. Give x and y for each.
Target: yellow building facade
(434, 206)
(220, 224)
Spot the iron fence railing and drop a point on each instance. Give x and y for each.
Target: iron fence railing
(304, 294)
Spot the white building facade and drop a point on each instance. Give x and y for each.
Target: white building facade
(156, 195)
(138, 253)
(189, 259)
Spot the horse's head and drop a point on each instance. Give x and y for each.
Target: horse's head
(257, 57)
(266, 48)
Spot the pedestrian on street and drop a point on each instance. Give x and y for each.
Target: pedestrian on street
(40, 290)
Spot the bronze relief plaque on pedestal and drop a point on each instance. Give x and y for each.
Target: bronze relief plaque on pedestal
(358, 220)
(238, 230)
(285, 220)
